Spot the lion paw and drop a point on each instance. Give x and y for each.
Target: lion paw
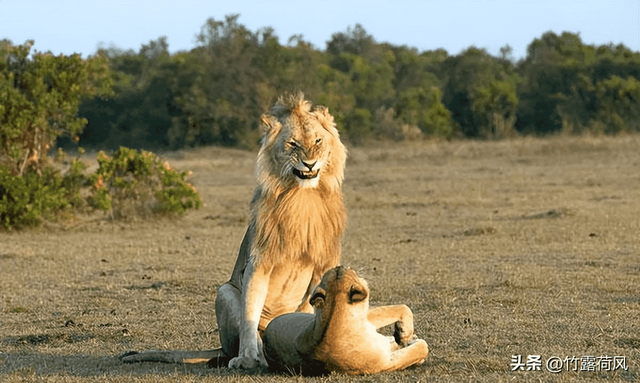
(403, 336)
(247, 363)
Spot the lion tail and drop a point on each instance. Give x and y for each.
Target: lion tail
(215, 358)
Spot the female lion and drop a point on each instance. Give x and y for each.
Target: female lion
(342, 335)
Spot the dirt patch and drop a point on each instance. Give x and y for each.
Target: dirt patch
(548, 214)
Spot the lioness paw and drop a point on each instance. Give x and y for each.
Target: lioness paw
(403, 335)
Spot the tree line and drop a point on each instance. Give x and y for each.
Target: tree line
(215, 93)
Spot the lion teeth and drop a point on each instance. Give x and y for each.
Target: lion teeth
(305, 175)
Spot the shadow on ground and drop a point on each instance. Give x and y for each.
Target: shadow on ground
(30, 363)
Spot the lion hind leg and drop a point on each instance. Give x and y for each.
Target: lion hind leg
(229, 316)
(175, 356)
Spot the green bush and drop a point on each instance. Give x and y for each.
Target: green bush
(137, 183)
(131, 184)
(30, 198)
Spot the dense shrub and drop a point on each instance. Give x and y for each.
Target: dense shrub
(28, 199)
(129, 185)
(137, 183)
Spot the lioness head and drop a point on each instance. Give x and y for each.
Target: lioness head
(300, 146)
(340, 285)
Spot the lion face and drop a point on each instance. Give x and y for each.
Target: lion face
(301, 146)
(304, 152)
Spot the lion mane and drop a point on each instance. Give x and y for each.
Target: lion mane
(289, 220)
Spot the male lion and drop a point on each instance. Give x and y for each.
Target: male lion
(342, 335)
(297, 220)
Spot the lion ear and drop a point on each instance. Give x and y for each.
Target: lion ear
(324, 117)
(318, 297)
(269, 125)
(357, 293)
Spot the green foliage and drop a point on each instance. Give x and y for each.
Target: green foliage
(29, 198)
(366, 71)
(216, 92)
(495, 104)
(226, 85)
(573, 87)
(32, 198)
(618, 109)
(144, 106)
(423, 107)
(75, 182)
(39, 98)
(361, 125)
(137, 183)
(131, 184)
(480, 91)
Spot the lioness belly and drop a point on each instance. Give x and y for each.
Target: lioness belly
(288, 285)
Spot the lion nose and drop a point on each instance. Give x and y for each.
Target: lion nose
(309, 165)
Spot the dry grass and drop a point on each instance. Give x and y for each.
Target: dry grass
(505, 248)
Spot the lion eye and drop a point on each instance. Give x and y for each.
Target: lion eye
(318, 141)
(293, 144)
(357, 294)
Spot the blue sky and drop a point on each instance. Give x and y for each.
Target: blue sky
(78, 26)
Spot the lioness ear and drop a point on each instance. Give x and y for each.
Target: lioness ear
(357, 293)
(318, 297)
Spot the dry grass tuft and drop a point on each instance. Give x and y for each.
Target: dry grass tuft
(519, 247)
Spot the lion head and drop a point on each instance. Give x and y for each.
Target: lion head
(340, 286)
(300, 147)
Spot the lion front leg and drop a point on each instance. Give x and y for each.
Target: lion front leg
(406, 350)
(254, 295)
(401, 315)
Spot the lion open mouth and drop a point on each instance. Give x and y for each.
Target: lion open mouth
(305, 175)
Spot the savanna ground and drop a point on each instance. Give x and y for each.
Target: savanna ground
(523, 247)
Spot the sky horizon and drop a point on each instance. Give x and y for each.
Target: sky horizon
(76, 26)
